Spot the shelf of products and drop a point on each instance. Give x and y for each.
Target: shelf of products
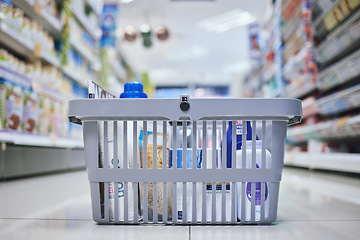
(328, 15)
(287, 63)
(341, 101)
(327, 35)
(300, 86)
(264, 77)
(34, 89)
(299, 69)
(339, 128)
(33, 100)
(90, 22)
(48, 52)
(340, 42)
(290, 15)
(340, 72)
(44, 12)
(83, 56)
(320, 9)
(26, 37)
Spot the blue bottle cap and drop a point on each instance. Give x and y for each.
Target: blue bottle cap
(133, 90)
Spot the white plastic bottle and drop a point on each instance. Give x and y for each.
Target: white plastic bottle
(239, 189)
(189, 187)
(119, 163)
(199, 186)
(218, 193)
(131, 90)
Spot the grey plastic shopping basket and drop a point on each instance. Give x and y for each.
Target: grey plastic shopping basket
(168, 160)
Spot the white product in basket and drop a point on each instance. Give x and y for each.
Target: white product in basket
(199, 186)
(189, 186)
(96, 91)
(120, 185)
(239, 189)
(218, 193)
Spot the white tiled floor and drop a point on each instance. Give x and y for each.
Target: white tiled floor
(311, 205)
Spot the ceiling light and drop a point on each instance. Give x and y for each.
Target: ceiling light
(162, 33)
(146, 35)
(145, 28)
(227, 21)
(130, 33)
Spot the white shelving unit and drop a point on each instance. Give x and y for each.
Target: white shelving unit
(342, 162)
(35, 140)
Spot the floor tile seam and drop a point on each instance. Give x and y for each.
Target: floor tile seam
(45, 219)
(318, 220)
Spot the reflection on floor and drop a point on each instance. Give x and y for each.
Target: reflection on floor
(311, 205)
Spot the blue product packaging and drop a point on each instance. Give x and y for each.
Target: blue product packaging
(108, 24)
(239, 132)
(189, 156)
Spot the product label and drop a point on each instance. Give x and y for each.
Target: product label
(120, 190)
(239, 128)
(218, 187)
(180, 215)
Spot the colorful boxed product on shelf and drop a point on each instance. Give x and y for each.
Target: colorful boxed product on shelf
(11, 102)
(50, 116)
(30, 112)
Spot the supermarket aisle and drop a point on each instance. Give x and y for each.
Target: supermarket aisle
(316, 205)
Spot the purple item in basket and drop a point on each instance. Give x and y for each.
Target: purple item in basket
(257, 191)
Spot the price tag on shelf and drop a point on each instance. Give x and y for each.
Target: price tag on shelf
(37, 50)
(38, 7)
